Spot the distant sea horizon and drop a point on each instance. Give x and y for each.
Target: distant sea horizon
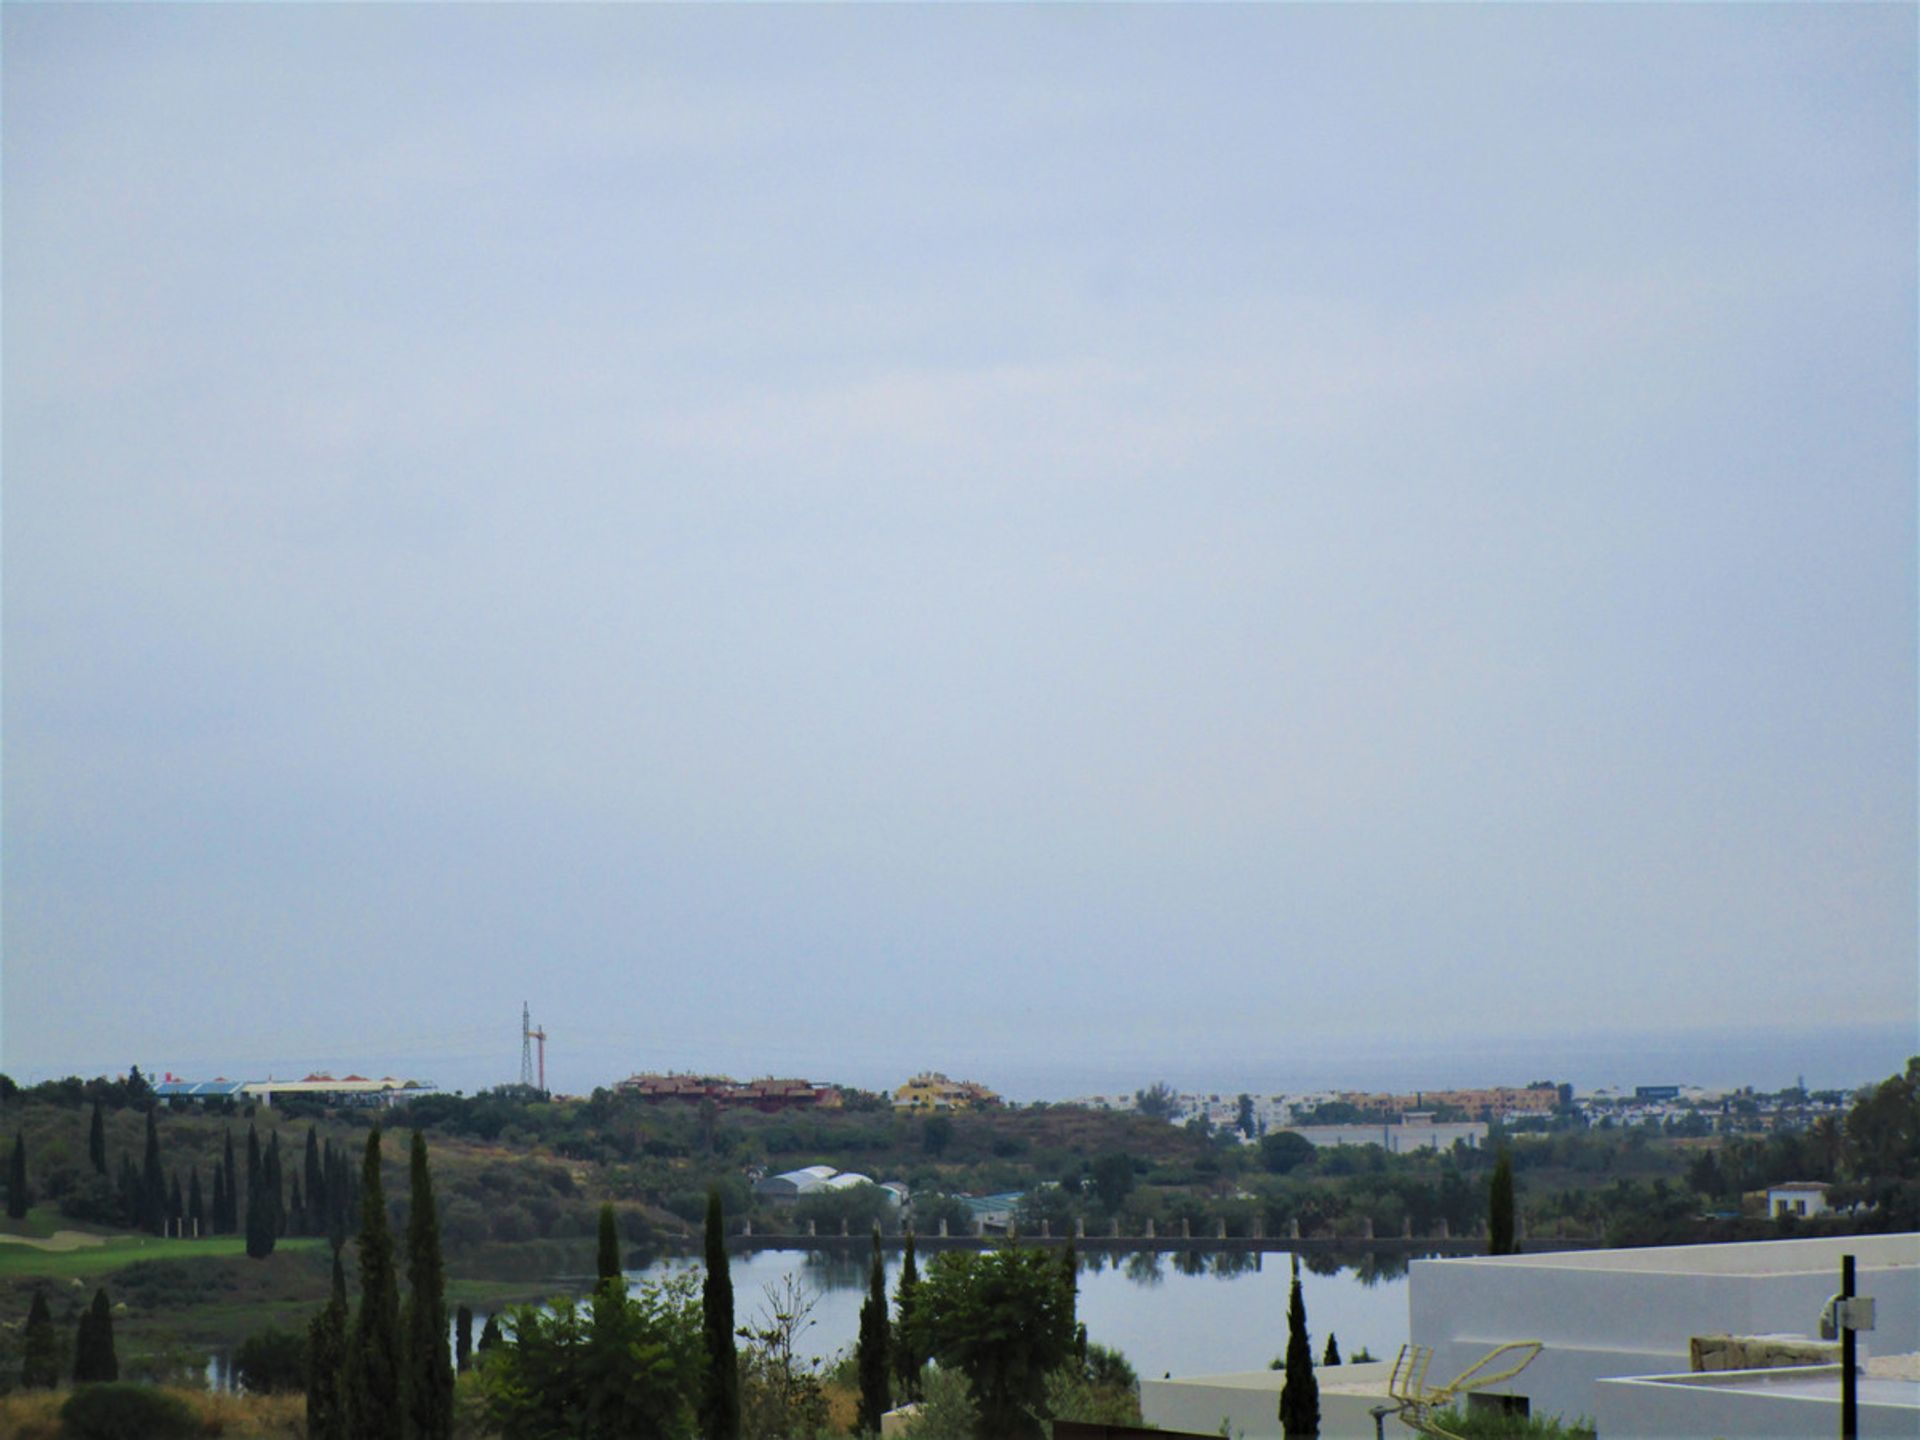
(1831, 1057)
(1824, 1057)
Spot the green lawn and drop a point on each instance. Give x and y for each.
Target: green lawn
(18, 1261)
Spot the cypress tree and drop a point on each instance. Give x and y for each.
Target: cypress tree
(462, 1339)
(196, 1206)
(1332, 1357)
(276, 1194)
(490, 1336)
(128, 1190)
(17, 1179)
(373, 1348)
(176, 1206)
(874, 1357)
(153, 1182)
(326, 1362)
(340, 1196)
(97, 1138)
(316, 1188)
(296, 1210)
(609, 1258)
(1500, 1207)
(1300, 1392)
(39, 1347)
(1070, 1280)
(720, 1399)
(428, 1379)
(217, 1220)
(260, 1231)
(230, 1217)
(907, 1359)
(94, 1360)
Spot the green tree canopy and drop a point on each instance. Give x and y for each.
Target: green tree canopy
(1001, 1319)
(627, 1365)
(1157, 1102)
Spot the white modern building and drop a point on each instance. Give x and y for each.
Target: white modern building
(1416, 1131)
(792, 1184)
(1615, 1314)
(814, 1179)
(1783, 1404)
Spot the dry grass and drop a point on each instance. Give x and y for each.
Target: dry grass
(35, 1415)
(250, 1417)
(32, 1414)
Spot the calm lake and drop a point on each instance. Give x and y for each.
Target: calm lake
(1169, 1313)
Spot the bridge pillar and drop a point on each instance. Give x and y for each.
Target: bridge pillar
(1046, 1229)
(1440, 1229)
(1149, 1227)
(1293, 1229)
(1080, 1227)
(1220, 1232)
(943, 1227)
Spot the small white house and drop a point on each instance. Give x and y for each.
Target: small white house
(1799, 1198)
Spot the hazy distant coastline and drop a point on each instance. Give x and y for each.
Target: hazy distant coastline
(1826, 1057)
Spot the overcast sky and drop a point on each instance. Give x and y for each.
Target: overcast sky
(832, 540)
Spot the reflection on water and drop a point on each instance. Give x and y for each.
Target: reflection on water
(1143, 1268)
(1167, 1310)
(1226, 1264)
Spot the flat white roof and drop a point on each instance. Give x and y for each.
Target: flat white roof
(1794, 1382)
(1754, 1257)
(1364, 1378)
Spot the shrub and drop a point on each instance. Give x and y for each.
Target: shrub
(271, 1362)
(126, 1412)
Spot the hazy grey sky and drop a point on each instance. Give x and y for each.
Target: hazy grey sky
(828, 540)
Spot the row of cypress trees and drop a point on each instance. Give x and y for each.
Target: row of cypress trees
(382, 1372)
(94, 1358)
(319, 1198)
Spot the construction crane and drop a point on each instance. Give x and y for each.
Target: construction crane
(1416, 1401)
(529, 1037)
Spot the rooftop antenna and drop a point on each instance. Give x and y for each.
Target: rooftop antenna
(529, 1036)
(1417, 1402)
